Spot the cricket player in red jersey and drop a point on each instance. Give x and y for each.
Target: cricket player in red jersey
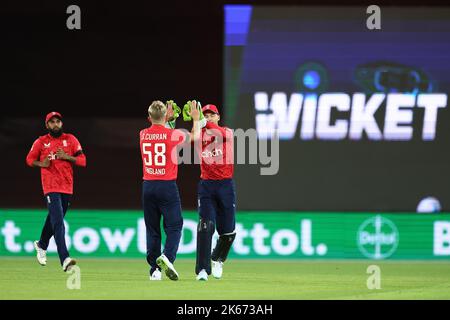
(55, 154)
(216, 196)
(160, 195)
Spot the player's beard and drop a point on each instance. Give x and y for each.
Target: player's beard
(55, 132)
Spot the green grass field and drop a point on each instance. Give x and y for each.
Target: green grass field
(23, 278)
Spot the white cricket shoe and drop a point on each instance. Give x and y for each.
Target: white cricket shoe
(202, 275)
(68, 263)
(41, 254)
(156, 275)
(217, 269)
(167, 267)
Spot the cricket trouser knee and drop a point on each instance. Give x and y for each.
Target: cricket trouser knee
(220, 252)
(205, 230)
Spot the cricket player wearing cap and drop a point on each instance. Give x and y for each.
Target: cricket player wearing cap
(160, 196)
(216, 196)
(55, 154)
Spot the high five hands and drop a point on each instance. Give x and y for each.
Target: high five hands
(192, 108)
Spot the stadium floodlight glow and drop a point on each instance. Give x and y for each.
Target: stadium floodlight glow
(429, 205)
(314, 112)
(311, 79)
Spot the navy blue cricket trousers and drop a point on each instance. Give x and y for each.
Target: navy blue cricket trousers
(217, 203)
(160, 198)
(57, 204)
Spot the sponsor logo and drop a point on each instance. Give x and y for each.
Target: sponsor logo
(377, 238)
(441, 243)
(46, 145)
(213, 153)
(253, 239)
(52, 156)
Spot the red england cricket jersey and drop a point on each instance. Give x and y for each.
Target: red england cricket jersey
(58, 177)
(217, 156)
(158, 151)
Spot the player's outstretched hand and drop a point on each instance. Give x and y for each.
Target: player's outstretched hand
(194, 112)
(188, 108)
(169, 115)
(173, 111)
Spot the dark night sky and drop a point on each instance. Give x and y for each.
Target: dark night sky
(126, 54)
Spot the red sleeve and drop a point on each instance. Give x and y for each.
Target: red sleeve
(77, 152)
(80, 160)
(34, 152)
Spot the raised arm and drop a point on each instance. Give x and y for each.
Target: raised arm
(187, 113)
(195, 114)
(173, 111)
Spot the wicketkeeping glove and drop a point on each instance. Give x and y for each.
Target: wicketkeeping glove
(176, 113)
(187, 109)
